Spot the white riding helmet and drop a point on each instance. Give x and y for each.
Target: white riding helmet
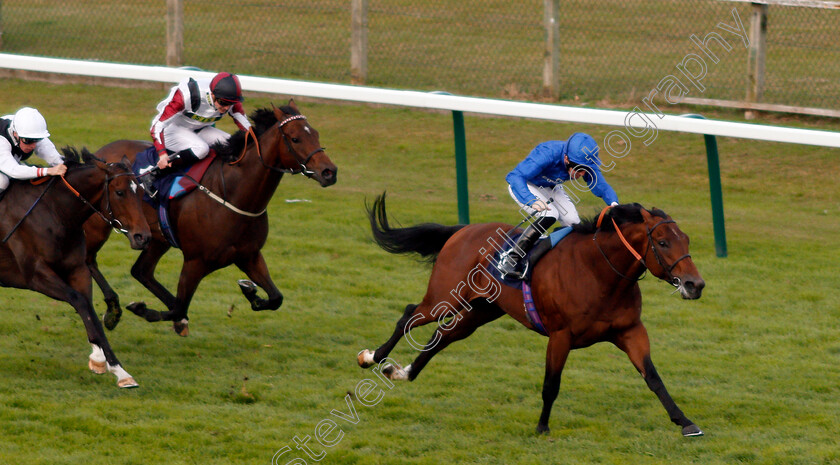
(30, 124)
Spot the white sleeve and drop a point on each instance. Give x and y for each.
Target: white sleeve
(46, 150)
(10, 166)
(242, 120)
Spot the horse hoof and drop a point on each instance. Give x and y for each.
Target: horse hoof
(137, 308)
(127, 383)
(100, 368)
(111, 321)
(691, 431)
(182, 327)
(395, 373)
(112, 316)
(543, 429)
(248, 287)
(365, 358)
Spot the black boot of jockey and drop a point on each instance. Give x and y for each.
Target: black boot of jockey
(153, 173)
(510, 265)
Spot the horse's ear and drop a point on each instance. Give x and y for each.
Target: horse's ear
(278, 114)
(293, 105)
(645, 214)
(126, 160)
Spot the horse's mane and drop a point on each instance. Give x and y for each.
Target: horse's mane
(263, 118)
(627, 213)
(75, 158)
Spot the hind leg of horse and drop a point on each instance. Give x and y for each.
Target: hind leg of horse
(257, 271)
(635, 343)
(77, 292)
(143, 271)
(559, 346)
(458, 327)
(413, 316)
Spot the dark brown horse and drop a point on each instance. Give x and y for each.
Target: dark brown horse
(224, 224)
(44, 246)
(585, 290)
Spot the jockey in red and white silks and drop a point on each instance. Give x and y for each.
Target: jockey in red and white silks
(21, 135)
(185, 120)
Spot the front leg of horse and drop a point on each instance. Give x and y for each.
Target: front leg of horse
(654, 382)
(635, 343)
(113, 310)
(559, 345)
(76, 292)
(97, 232)
(257, 270)
(143, 271)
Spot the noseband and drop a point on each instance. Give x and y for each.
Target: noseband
(675, 281)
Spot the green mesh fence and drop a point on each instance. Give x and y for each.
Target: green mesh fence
(611, 51)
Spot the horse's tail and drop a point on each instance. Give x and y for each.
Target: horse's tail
(425, 239)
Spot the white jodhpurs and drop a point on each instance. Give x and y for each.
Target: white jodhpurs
(561, 208)
(180, 138)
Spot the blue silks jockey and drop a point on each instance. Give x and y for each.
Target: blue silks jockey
(536, 184)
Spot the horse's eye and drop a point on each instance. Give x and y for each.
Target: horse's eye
(662, 244)
(295, 140)
(120, 193)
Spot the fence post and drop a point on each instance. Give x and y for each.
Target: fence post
(551, 62)
(715, 191)
(461, 167)
(174, 32)
(755, 59)
(460, 163)
(358, 41)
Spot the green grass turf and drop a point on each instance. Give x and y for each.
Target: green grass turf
(754, 362)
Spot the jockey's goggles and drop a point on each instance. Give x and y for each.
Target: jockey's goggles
(29, 140)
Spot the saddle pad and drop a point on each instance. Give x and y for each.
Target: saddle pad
(188, 181)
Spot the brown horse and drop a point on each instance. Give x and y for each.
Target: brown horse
(228, 225)
(44, 246)
(585, 290)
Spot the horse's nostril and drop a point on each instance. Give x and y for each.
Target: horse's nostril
(327, 177)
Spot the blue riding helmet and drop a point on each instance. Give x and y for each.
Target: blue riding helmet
(583, 150)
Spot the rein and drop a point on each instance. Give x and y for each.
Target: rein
(51, 182)
(675, 281)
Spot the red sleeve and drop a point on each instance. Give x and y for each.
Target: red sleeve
(174, 107)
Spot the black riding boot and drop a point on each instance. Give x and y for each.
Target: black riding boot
(509, 262)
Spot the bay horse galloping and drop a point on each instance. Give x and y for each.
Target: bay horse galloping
(228, 225)
(43, 247)
(584, 290)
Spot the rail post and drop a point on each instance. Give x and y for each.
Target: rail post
(715, 190)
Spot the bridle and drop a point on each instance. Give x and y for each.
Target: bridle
(302, 164)
(301, 169)
(675, 281)
(112, 221)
